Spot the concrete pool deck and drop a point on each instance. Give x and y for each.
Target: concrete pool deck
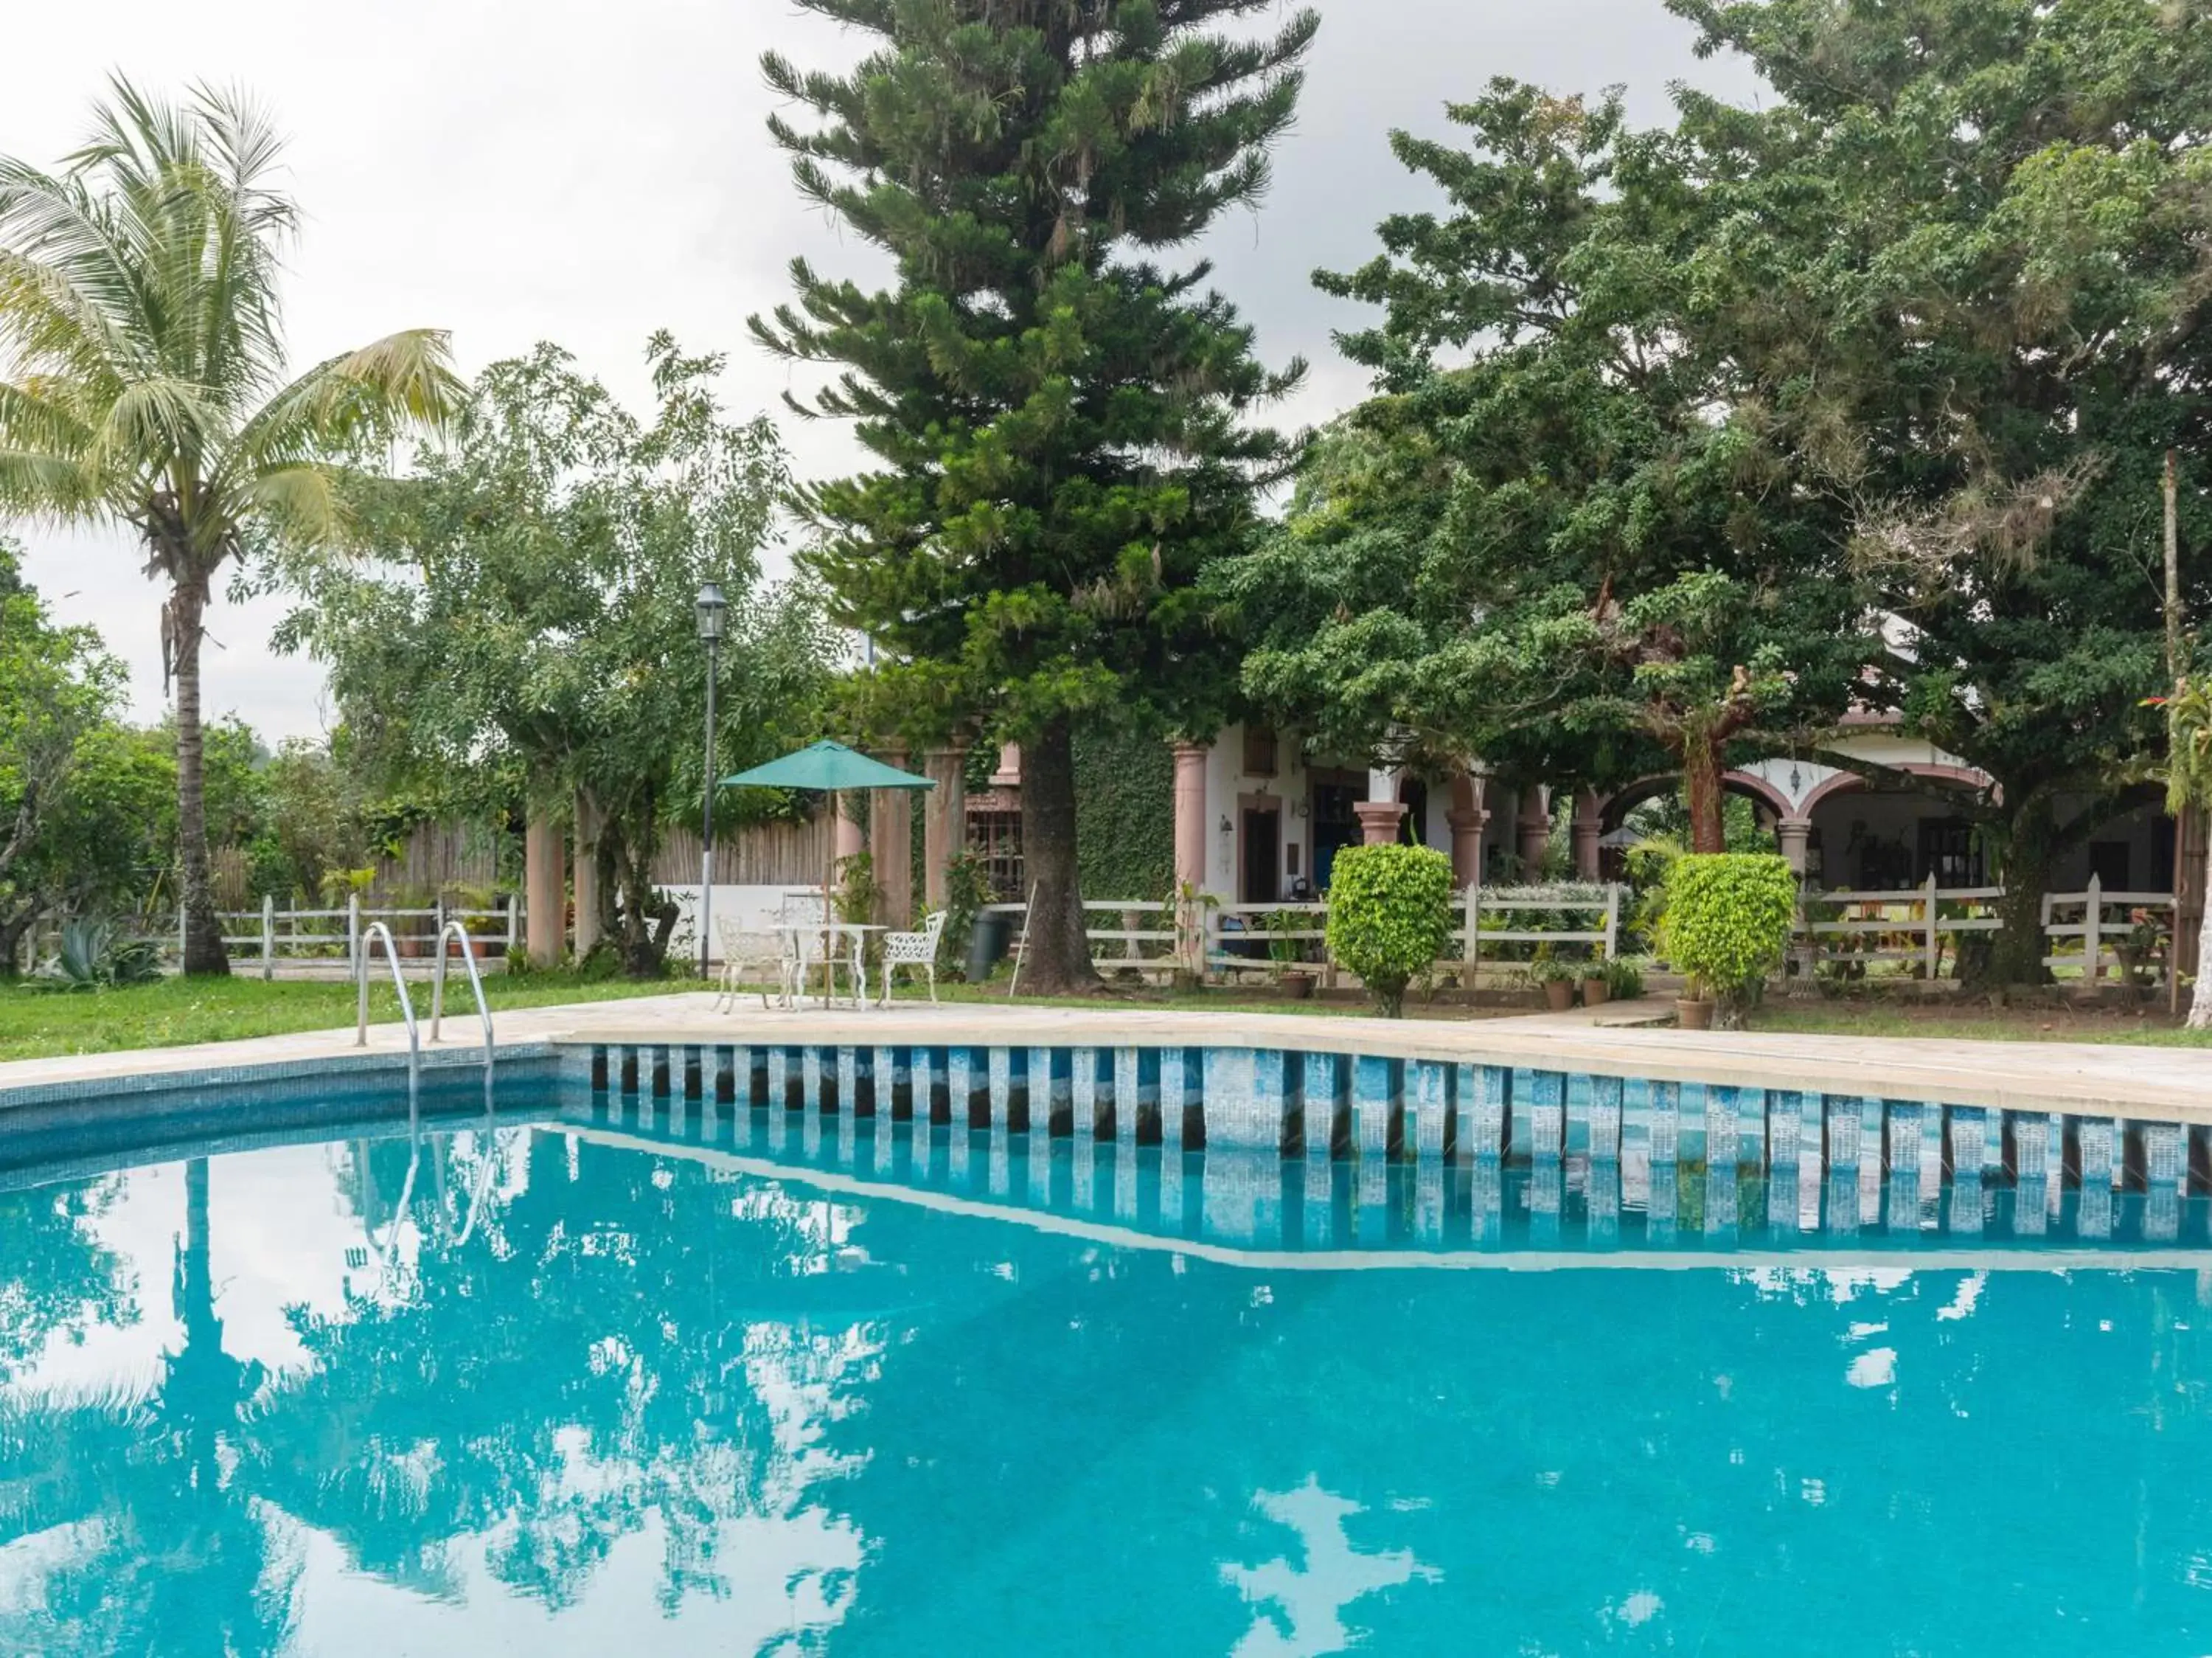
(2146, 1083)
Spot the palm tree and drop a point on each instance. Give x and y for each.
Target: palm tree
(142, 379)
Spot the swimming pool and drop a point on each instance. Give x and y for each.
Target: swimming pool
(622, 1367)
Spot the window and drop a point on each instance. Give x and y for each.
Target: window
(997, 836)
(2110, 864)
(1950, 851)
(1258, 751)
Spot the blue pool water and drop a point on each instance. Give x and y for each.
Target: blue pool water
(592, 1379)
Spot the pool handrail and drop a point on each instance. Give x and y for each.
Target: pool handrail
(451, 929)
(375, 930)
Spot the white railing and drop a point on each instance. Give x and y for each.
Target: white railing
(2105, 938)
(1908, 927)
(1602, 903)
(1916, 928)
(1157, 937)
(336, 934)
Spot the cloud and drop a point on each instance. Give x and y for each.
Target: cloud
(585, 174)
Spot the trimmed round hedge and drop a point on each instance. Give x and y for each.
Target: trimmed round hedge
(1389, 917)
(1727, 921)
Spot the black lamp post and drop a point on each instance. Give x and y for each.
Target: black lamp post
(712, 608)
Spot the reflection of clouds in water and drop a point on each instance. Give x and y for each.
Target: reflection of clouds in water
(1875, 1368)
(1635, 1611)
(1297, 1611)
(1962, 1304)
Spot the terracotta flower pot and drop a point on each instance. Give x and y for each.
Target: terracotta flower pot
(1694, 1016)
(1596, 992)
(1299, 987)
(1560, 993)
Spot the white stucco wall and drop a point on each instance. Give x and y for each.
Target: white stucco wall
(1227, 784)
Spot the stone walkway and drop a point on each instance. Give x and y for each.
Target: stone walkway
(2080, 1078)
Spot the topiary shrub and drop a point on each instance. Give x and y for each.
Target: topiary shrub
(1389, 917)
(1727, 926)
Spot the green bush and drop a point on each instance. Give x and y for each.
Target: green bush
(1389, 917)
(1728, 921)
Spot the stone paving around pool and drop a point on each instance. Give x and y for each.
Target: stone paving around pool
(2157, 1084)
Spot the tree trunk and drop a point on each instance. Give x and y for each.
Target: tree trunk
(1055, 954)
(2200, 999)
(203, 950)
(2016, 950)
(1701, 781)
(12, 934)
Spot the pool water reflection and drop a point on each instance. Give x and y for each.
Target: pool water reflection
(587, 1392)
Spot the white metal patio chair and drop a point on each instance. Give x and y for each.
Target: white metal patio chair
(807, 917)
(769, 952)
(913, 950)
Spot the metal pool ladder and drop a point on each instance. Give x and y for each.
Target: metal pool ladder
(378, 932)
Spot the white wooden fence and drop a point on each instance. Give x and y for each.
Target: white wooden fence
(1156, 938)
(1918, 929)
(335, 934)
(2104, 939)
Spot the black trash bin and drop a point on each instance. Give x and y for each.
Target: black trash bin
(988, 944)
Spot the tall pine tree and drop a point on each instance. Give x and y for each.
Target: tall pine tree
(1060, 423)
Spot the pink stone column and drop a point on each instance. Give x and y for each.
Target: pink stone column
(890, 845)
(943, 818)
(1794, 835)
(1535, 826)
(848, 841)
(1190, 816)
(1588, 829)
(1466, 826)
(1379, 821)
(545, 886)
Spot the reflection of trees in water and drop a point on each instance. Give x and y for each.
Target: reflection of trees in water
(58, 1281)
(615, 1348)
(162, 1550)
(1011, 1417)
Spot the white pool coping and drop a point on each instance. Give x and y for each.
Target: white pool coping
(2081, 1079)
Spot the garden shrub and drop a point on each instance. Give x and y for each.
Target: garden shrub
(1727, 921)
(1389, 917)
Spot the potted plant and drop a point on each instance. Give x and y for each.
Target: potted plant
(1286, 955)
(1727, 926)
(1623, 978)
(1597, 989)
(1558, 979)
(409, 930)
(1190, 909)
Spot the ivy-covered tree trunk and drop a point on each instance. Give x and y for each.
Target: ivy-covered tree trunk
(1055, 952)
(1701, 784)
(2031, 853)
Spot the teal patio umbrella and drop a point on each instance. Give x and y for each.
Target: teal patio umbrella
(828, 768)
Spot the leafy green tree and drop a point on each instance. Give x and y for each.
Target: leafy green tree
(1960, 260)
(526, 623)
(1059, 421)
(143, 380)
(67, 809)
(1550, 541)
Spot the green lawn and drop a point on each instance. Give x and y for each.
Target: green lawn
(1982, 1024)
(36, 1022)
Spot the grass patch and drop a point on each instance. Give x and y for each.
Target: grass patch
(38, 1023)
(1949, 1022)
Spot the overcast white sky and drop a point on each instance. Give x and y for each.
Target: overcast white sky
(588, 172)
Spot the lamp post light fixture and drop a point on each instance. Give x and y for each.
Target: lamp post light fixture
(712, 611)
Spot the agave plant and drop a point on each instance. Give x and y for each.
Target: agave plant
(94, 954)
